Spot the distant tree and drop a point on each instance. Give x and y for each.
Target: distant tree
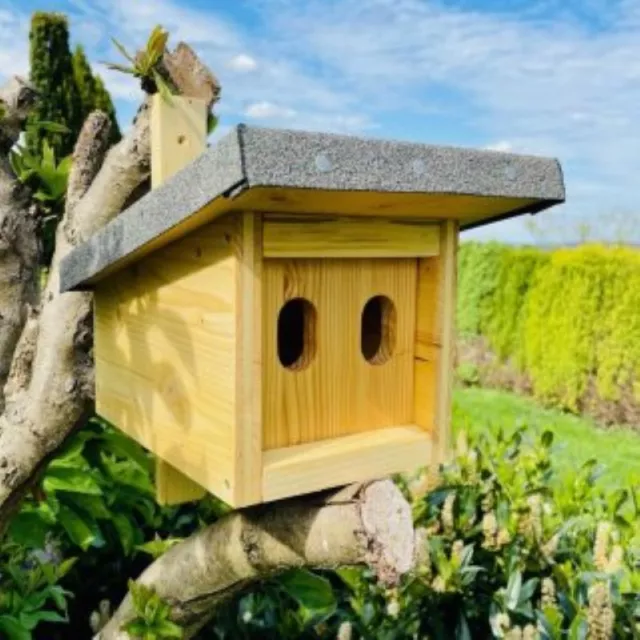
(93, 93)
(53, 78)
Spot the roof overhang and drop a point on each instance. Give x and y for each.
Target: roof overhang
(298, 172)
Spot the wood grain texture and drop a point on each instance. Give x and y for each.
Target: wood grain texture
(165, 351)
(178, 136)
(173, 486)
(247, 452)
(428, 341)
(423, 207)
(426, 206)
(447, 303)
(313, 237)
(339, 392)
(354, 458)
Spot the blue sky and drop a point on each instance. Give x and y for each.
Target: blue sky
(552, 77)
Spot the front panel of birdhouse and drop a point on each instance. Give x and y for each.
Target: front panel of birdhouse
(338, 347)
(355, 382)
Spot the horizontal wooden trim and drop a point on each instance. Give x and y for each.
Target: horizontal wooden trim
(364, 456)
(296, 237)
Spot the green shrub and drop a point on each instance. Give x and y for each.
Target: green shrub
(477, 283)
(510, 549)
(583, 322)
(507, 541)
(94, 514)
(569, 319)
(467, 374)
(504, 326)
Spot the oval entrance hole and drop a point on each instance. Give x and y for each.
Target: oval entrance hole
(297, 334)
(378, 330)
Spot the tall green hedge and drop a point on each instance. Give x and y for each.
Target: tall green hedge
(567, 318)
(52, 75)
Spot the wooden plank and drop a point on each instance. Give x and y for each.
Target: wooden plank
(427, 385)
(178, 136)
(447, 306)
(248, 430)
(421, 207)
(173, 487)
(165, 350)
(425, 206)
(312, 237)
(365, 456)
(427, 346)
(428, 313)
(339, 392)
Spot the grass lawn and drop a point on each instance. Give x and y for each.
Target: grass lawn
(576, 439)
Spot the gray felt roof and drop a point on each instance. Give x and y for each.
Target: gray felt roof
(250, 157)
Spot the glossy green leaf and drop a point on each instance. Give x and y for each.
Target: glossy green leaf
(312, 591)
(11, 629)
(126, 532)
(71, 480)
(82, 530)
(29, 529)
(513, 590)
(156, 548)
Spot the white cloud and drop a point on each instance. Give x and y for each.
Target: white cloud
(121, 86)
(501, 145)
(268, 110)
(242, 63)
(562, 78)
(559, 77)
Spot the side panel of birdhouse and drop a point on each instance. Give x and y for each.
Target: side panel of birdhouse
(166, 353)
(435, 340)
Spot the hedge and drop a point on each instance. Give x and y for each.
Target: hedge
(568, 318)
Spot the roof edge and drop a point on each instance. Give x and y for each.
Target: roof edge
(216, 173)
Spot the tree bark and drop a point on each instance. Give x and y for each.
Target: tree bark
(50, 389)
(363, 524)
(19, 251)
(50, 385)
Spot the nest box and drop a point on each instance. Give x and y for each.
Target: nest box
(278, 316)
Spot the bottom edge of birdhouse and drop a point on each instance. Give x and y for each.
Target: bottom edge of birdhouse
(314, 466)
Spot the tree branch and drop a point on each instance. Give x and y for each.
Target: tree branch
(53, 387)
(50, 387)
(366, 524)
(19, 251)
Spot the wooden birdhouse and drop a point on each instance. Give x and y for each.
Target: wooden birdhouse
(278, 316)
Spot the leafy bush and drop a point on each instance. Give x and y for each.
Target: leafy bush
(569, 319)
(29, 593)
(510, 549)
(47, 177)
(95, 504)
(478, 274)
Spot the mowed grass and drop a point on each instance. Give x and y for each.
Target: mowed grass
(576, 439)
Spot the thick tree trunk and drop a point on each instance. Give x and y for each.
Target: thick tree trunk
(368, 524)
(19, 252)
(50, 387)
